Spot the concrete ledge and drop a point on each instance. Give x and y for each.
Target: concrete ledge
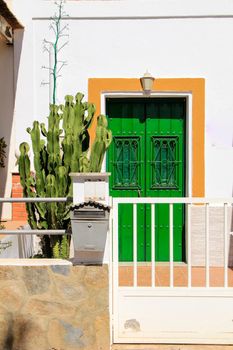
(170, 347)
(34, 262)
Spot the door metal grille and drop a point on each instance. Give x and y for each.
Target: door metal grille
(126, 162)
(165, 159)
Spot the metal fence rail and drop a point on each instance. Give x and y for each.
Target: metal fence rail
(35, 200)
(35, 231)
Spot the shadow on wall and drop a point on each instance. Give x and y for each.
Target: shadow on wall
(9, 67)
(16, 332)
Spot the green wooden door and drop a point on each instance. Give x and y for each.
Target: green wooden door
(146, 158)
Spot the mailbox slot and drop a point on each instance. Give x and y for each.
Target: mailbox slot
(87, 214)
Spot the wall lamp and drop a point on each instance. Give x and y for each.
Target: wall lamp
(147, 82)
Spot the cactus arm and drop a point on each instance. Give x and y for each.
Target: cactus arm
(84, 164)
(51, 191)
(91, 111)
(43, 129)
(102, 141)
(26, 182)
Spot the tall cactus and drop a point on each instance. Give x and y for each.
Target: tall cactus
(58, 150)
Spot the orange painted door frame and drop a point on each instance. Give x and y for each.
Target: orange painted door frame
(194, 86)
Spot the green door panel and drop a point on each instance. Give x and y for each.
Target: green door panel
(165, 149)
(125, 161)
(146, 158)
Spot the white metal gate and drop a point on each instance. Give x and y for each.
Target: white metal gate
(200, 310)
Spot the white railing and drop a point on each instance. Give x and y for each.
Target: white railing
(189, 203)
(35, 231)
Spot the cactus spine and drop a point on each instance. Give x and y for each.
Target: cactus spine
(58, 150)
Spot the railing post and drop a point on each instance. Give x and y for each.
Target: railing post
(189, 248)
(135, 276)
(226, 238)
(152, 245)
(207, 255)
(115, 246)
(111, 287)
(171, 245)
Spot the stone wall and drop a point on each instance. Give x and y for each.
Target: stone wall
(60, 307)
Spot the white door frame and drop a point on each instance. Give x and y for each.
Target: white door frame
(188, 96)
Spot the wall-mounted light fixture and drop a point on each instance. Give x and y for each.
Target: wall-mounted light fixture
(147, 82)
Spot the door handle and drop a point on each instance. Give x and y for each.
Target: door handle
(139, 192)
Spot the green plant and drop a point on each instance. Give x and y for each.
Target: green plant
(3, 145)
(100, 145)
(61, 248)
(54, 159)
(53, 47)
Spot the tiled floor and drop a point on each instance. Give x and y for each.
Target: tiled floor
(162, 275)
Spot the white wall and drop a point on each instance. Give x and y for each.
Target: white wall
(172, 39)
(21, 246)
(6, 121)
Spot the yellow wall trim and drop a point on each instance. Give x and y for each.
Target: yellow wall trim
(195, 86)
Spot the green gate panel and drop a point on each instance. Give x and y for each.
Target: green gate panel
(147, 159)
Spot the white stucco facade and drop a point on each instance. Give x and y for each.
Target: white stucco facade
(122, 39)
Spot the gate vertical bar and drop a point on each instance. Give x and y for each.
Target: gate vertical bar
(152, 245)
(189, 248)
(207, 254)
(171, 245)
(111, 270)
(225, 247)
(135, 277)
(115, 268)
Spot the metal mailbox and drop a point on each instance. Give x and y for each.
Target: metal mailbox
(90, 223)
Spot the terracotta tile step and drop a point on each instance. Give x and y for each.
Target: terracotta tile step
(162, 276)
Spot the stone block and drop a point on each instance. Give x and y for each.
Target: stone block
(12, 295)
(36, 279)
(7, 273)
